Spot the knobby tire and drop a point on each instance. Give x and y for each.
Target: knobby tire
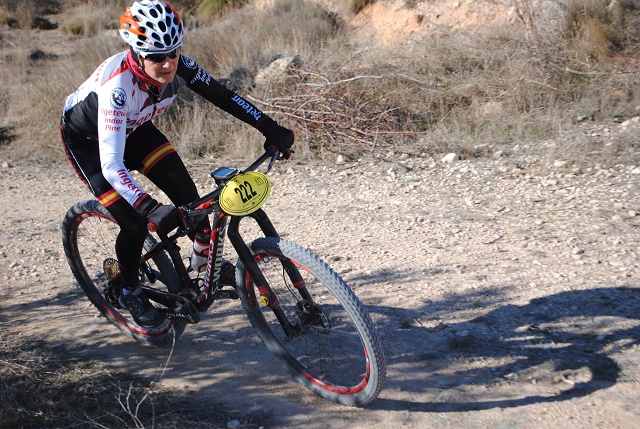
(339, 356)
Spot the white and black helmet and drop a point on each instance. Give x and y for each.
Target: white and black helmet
(151, 26)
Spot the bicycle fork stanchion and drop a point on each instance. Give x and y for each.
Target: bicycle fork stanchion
(267, 295)
(269, 230)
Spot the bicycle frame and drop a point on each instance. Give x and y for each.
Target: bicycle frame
(229, 225)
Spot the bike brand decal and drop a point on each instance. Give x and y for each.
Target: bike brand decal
(219, 249)
(248, 107)
(118, 98)
(189, 62)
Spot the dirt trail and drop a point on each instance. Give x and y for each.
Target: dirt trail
(505, 291)
(506, 294)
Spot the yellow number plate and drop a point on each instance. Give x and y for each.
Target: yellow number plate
(245, 193)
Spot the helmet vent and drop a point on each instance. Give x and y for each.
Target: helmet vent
(151, 26)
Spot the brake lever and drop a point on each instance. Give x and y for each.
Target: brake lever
(275, 157)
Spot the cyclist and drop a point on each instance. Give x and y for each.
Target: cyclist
(107, 130)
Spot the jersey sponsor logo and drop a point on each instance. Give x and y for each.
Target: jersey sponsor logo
(247, 107)
(188, 62)
(128, 182)
(145, 118)
(107, 112)
(118, 98)
(202, 76)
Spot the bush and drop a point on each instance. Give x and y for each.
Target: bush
(529, 80)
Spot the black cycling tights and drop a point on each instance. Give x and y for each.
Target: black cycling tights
(169, 174)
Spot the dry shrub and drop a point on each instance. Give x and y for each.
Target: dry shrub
(470, 93)
(87, 20)
(212, 8)
(244, 41)
(47, 388)
(249, 38)
(5, 16)
(39, 90)
(24, 15)
(511, 84)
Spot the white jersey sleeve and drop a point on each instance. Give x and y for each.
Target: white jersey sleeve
(114, 103)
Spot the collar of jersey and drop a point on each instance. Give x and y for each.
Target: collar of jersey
(141, 74)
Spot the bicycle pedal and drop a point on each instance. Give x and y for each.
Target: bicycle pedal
(112, 295)
(226, 294)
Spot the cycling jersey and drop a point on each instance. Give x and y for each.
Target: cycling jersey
(119, 97)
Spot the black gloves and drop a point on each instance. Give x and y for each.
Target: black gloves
(279, 138)
(161, 218)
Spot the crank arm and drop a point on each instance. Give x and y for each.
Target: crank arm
(178, 314)
(185, 311)
(175, 307)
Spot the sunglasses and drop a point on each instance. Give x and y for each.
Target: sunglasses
(161, 58)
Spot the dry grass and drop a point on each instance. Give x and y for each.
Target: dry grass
(45, 388)
(527, 81)
(88, 20)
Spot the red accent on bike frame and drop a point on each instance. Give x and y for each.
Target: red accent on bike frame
(204, 205)
(263, 288)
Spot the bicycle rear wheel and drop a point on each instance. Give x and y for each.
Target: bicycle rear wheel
(336, 353)
(88, 236)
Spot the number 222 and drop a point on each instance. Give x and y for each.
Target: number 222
(246, 192)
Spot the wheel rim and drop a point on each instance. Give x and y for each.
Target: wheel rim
(329, 355)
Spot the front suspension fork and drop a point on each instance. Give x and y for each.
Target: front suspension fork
(290, 268)
(254, 271)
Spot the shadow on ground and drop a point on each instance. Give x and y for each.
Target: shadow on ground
(552, 349)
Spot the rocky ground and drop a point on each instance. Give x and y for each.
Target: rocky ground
(505, 290)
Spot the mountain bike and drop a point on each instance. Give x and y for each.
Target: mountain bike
(302, 310)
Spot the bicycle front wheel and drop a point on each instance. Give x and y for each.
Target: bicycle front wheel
(334, 350)
(89, 234)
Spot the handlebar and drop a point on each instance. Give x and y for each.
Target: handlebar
(270, 153)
